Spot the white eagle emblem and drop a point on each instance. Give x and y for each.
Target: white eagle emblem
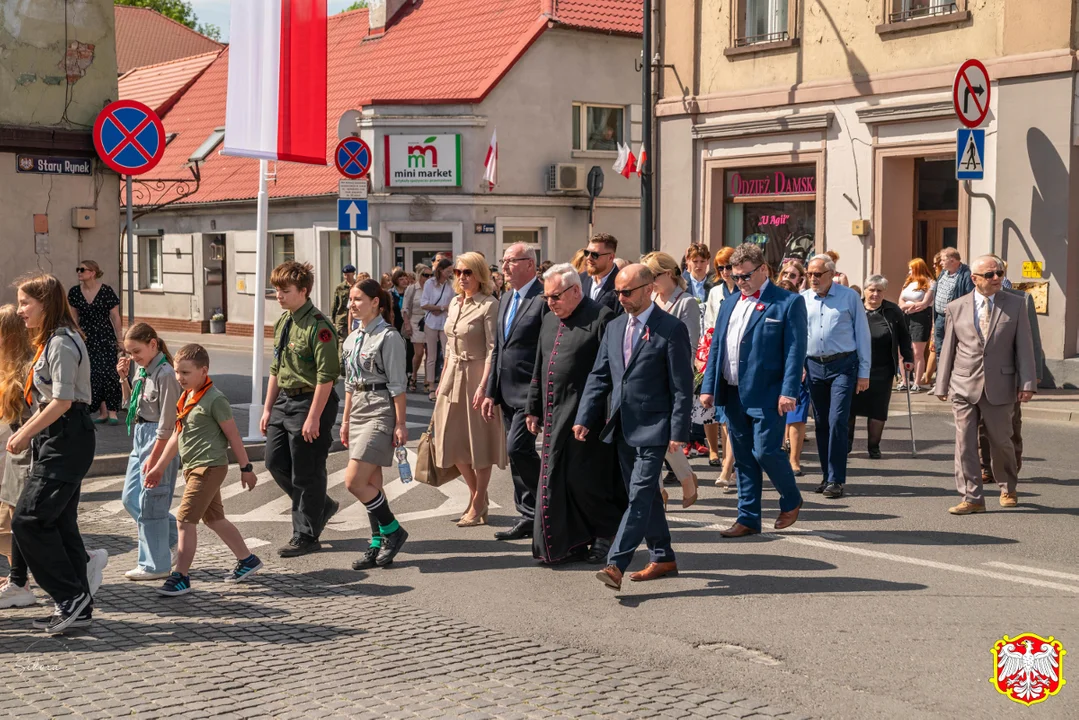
(1025, 675)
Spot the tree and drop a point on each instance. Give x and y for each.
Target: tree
(178, 10)
(358, 5)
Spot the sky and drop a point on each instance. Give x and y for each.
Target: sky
(216, 12)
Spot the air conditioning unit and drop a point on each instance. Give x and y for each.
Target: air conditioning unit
(566, 177)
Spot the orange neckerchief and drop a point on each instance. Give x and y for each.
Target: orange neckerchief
(30, 376)
(184, 405)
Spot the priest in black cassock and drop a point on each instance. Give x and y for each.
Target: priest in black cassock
(581, 494)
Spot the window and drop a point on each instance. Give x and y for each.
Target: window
(203, 151)
(598, 127)
(903, 10)
(762, 21)
(529, 237)
(151, 263)
(282, 250)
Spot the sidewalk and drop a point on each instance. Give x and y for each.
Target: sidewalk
(239, 343)
(1051, 405)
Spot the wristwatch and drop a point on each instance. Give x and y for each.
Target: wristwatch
(247, 468)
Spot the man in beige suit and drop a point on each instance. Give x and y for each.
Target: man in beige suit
(986, 365)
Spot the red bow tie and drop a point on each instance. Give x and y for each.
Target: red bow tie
(755, 296)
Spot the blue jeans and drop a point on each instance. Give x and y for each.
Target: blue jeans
(832, 387)
(644, 519)
(757, 440)
(149, 507)
(938, 331)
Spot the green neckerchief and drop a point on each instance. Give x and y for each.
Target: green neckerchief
(136, 393)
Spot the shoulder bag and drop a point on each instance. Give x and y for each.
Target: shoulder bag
(427, 471)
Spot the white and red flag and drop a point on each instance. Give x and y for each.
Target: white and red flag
(641, 160)
(626, 164)
(276, 105)
(490, 164)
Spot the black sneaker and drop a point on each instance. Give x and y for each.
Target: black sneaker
(833, 490)
(84, 619)
(175, 584)
(391, 545)
(368, 560)
(244, 569)
(68, 613)
(820, 488)
(299, 545)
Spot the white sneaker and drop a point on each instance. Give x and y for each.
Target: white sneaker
(95, 567)
(141, 573)
(174, 553)
(11, 595)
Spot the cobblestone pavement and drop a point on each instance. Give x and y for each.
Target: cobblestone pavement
(283, 646)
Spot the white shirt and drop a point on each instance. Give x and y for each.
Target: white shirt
(642, 320)
(979, 301)
(736, 328)
(440, 295)
(597, 285)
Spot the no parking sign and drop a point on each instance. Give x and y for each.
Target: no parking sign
(129, 137)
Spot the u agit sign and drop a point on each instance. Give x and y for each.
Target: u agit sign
(423, 160)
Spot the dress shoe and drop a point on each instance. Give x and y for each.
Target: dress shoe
(391, 545)
(820, 488)
(299, 545)
(598, 553)
(786, 519)
(1008, 499)
(833, 490)
(654, 571)
(738, 530)
(967, 508)
(521, 529)
(610, 576)
(798, 472)
(368, 560)
(874, 453)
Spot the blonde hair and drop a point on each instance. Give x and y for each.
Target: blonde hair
(15, 356)
(578, 260)
(661, 262)
(475, 262)
(92, 265)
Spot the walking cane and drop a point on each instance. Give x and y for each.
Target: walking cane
(910, 420)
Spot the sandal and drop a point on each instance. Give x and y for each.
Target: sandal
(431, 396)
(715, 461)
(411, 386)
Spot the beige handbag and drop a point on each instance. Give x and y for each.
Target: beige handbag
(427, 472)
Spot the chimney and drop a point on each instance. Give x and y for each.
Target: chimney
(548, 7)
(380, 13)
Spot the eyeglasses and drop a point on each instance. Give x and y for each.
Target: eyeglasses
(629, 291)
(818, 275)
(725, 267)
(557, 296)
(467, 272)
(790, 274)
(743, 278)
(992, 274)
(80, 270)
(510, 261)
(595, 255)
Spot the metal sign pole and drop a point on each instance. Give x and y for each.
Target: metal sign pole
(130, 259)
(258, 340)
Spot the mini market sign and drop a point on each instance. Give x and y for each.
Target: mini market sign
(423, 161)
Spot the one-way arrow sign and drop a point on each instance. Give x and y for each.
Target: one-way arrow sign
(351, 214)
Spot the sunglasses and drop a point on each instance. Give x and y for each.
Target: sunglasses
(992, 274)
(790, 274)
(462, 273)
(818, 275)
(557, 296)
(725, 267)
(629, 291)
(592, 254)
(425, 274)
(747, 276)
(80, 270)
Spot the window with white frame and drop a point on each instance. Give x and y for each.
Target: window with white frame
(282, 249)
(151, 263)
(904, 10)
(598, 128)
(529, 237)
(761, 21)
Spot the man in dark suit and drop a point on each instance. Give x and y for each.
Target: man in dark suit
(645, 366)
(520, 315)
(755, 370)
(598, 282)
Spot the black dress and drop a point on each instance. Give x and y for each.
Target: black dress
(100, 344)
(888, 339)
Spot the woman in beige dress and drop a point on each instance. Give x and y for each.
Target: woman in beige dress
(462, 436)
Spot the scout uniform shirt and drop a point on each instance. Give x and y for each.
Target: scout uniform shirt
(305, 350)
(63, 370)
(160, 391)
(339, 312)
(202, 441)
(375, 355)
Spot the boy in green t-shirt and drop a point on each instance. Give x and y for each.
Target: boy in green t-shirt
(204, 430)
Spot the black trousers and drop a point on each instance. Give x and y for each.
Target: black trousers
(524, 461)
(46, 520)
(18, 573)
(297, 466)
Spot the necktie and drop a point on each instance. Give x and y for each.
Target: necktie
(983, 320)
(754, 296)
(510, 314)
(627, 342)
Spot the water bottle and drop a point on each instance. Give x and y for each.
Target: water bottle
(403, 468)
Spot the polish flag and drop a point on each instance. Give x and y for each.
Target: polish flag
(490, 164)
(626, 164)
(276, 104)
(641, 161)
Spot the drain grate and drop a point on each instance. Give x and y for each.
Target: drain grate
(741, 653)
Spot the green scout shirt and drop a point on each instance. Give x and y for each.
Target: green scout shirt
(202, 442)
(309, 358)
(339, 313)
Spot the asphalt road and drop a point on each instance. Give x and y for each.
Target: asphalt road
(879, 604)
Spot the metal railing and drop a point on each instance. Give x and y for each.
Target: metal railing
(760, 39)
(924, 11)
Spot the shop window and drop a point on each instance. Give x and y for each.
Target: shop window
(775, 208)
(282, 250)
(151, 263)
(759, 22)
(598, 128)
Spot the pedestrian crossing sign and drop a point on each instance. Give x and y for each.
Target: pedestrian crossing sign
(969, 154)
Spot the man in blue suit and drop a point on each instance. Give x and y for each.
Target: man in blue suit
(755, 370)
(644, 364)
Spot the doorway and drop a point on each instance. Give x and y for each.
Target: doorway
(410, 249)
(936, 215)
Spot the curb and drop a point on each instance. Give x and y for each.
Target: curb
(116, 464)
(1030, 412)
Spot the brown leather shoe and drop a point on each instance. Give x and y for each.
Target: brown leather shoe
(610, 576)
(786, 519)
(654, 570)
(738, 530)
(1008, 499)
(967, 508)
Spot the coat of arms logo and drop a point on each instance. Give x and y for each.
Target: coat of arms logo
(1028, 668)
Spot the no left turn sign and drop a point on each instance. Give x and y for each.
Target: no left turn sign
(970, 93)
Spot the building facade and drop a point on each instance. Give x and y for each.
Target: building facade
(58, 203)
(829, 125)
(560, 94)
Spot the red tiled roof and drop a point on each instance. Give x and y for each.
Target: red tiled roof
(436, 51)
(145, 37)
(161, 85)
(614, 16)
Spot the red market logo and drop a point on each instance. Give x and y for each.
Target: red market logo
(776, 184)
(417, 154)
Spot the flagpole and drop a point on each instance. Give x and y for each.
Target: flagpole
(258, 340)
(646, 131)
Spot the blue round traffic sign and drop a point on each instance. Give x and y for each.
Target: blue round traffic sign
(352, 158)
(129, 137)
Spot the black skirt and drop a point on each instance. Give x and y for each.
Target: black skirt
(920, 325)
(873, 403)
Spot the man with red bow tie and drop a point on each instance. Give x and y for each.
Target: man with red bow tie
(755, 370)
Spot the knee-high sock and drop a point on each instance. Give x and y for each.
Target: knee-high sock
(379, 507)
(376, 533)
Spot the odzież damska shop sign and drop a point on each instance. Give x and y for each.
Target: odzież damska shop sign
(790, 181)
(50, 165)
(423, 160)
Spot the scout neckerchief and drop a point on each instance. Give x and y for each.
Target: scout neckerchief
(354, 360)
(30, 376)
(184, 406)
(136, 393)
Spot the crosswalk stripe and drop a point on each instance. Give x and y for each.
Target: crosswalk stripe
(274, 509)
